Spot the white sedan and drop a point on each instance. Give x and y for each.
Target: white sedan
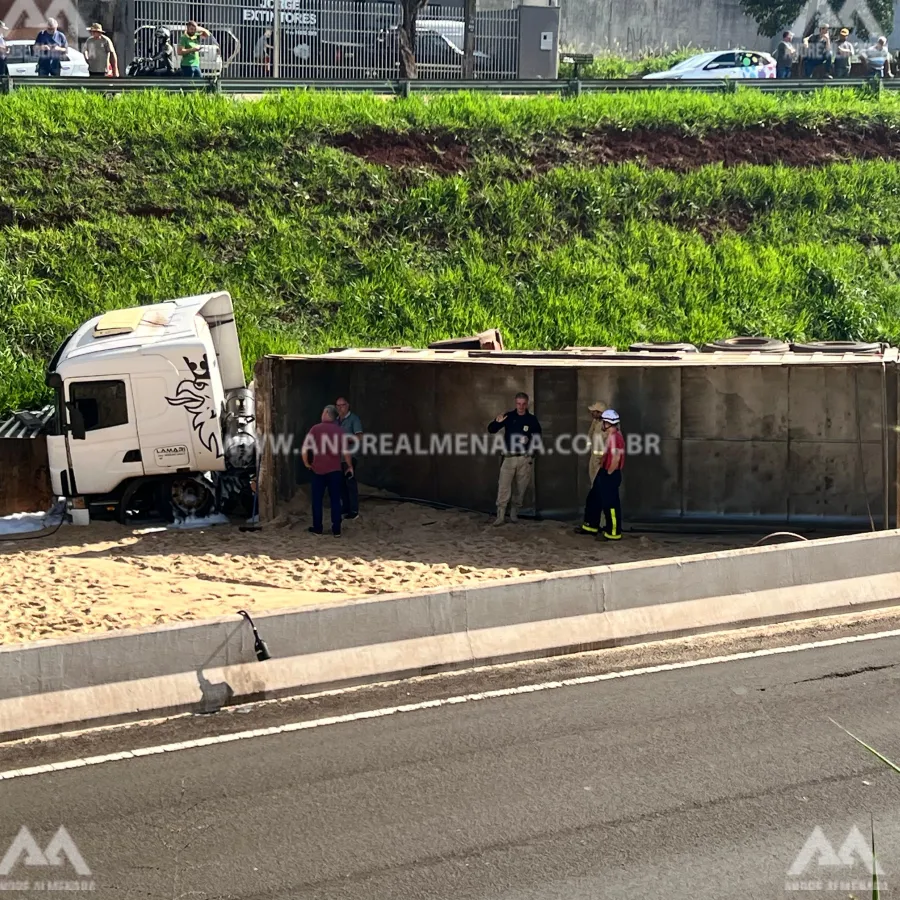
(22, 61)
(729, 64)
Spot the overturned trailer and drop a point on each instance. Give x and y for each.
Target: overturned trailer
(724, 438)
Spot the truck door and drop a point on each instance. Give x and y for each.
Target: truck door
(110, 451)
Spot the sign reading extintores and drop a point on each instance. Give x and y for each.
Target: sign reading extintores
(292, 14)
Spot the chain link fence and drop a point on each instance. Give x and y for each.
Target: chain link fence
(330, 39)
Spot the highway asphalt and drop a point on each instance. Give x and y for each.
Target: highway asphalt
(699, 782)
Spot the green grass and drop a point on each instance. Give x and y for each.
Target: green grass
(610, 64)
(149, 197)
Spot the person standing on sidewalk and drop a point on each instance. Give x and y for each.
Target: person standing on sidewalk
(51, 48)
(189, 50)
(100, 54)
(603, 499)
(520, 427)
(322, 452)
(785, 54)
(843, 56)
(352, 427)
(820, 54)
(4, 50)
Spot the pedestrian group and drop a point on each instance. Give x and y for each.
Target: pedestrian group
(333, 469)
(834, 55)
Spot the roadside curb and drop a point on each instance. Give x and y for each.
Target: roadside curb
(204, 666)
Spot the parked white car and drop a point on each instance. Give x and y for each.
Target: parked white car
(722, 64)
(22, 61)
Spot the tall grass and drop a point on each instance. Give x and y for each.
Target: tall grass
(146, 197)
(615, 64)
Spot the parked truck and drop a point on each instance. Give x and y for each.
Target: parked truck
(153, 414)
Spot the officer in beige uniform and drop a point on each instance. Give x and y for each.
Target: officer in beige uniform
(596, 438)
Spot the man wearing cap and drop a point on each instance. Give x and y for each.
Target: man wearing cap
(843, 55)
(603, 499)
(51, 47)
(100, 54)
(595, 438)
(520, 427)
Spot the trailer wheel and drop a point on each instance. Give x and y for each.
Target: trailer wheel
(836, 347)
(746, 344)
(663, 347)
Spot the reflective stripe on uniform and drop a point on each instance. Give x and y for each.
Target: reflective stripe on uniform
(586, 527)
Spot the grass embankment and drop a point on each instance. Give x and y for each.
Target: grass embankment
(109, 203)
(615, 65)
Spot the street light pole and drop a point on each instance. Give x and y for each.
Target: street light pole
(469, 41)
(276, 41)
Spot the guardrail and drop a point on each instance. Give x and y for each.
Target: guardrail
(562, 87)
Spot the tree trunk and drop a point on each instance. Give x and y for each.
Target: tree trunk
(407, 34)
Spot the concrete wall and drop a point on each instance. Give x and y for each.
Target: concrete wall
(24, 475)
(629, 26)
(767, 443)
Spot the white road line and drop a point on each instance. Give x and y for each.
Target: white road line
(434, 704)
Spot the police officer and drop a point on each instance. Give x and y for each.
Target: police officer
(603, 499)
(520, 427)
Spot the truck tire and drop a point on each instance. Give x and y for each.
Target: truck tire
(664, 347)
(179, 498)
(836, 347)
(747, 345)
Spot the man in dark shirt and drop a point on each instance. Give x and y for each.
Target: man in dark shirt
(519, 427)
(51, 48)
(785, 56)
(325, 442)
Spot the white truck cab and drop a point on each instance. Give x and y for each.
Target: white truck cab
(150, 401)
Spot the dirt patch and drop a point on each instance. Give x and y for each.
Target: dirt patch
(444, 153)
(788, 144)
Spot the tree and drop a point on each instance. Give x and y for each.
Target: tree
(773, 16)
(407, 34)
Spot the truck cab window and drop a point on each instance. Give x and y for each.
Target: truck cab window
(103, 404)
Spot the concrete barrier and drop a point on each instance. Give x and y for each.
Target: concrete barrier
(53, 685)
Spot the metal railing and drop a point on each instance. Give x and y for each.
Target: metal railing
(330, 39)
(396, 87)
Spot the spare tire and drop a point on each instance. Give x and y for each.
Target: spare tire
(747, 345)
(664, 347)
(837, 347)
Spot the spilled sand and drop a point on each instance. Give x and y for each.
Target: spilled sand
(106, 577)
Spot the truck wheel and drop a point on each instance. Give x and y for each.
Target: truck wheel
(140, 497)
(184, 498)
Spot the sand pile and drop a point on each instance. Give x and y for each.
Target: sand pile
(107, 577)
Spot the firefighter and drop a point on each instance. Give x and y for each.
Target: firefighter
(603, 499)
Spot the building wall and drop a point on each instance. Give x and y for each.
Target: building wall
(770, 444)
(630, 26)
